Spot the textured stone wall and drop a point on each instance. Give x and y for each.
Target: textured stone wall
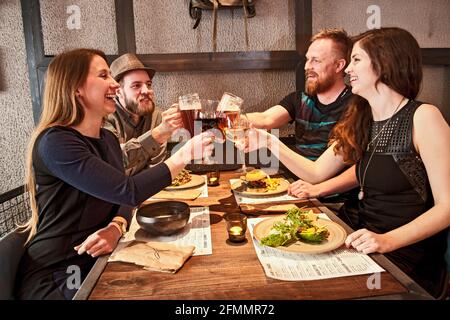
(435, 88)
(273, 27)
(97, 27)
(16, 116)
(428, 21)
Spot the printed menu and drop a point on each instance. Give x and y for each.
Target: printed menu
(289, 266)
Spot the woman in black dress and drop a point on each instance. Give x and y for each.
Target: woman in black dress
(81, 198)
(402, 155)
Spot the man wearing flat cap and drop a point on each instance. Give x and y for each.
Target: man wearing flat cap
(142, 129)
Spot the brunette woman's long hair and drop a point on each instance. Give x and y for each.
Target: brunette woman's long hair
(65, 74)
(396, 59)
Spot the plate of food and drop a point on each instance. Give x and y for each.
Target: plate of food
(185, 180)
(258, 183)
(300, 231)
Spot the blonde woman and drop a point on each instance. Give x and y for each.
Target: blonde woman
(402, 155)
(81, 198)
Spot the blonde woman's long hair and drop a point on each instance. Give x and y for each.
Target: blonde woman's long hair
(65, 74)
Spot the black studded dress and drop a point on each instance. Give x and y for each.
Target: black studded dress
(396, 191)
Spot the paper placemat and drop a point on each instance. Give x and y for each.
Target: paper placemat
(287, 266)
(204, 189)
(197, 233)
(243, 199)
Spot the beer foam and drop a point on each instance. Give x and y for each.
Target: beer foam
(227, 106)
(190, 106)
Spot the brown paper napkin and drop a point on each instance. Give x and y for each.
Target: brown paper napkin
(191, 194)
(154, 256)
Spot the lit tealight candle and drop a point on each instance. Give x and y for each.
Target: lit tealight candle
(236, 230)
(213, 178)
(236, 227)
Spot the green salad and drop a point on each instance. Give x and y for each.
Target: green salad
(297, 225)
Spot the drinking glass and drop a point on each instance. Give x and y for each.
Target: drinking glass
(227, 118)
(189, 105)
(237, 133)
(230, 103)
(208, 119)
(229, 110)
(212, 177)
(208, 115)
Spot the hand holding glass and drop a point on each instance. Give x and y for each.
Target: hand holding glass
(237, 133)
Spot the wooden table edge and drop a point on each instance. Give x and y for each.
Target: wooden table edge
(91, 279)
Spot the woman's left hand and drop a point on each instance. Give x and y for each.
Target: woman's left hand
(366, 241)
(256, 139)
(100, 242)
(303, 190)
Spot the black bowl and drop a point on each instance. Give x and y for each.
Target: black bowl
(163, 218)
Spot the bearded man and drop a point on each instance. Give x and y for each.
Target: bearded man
(142, 129)
(317, 109)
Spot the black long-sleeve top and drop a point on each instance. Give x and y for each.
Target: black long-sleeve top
(81, 185)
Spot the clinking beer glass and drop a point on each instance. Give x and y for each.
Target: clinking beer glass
(229, 108)
(189, 106)
(198, 115)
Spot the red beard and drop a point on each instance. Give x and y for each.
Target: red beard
(317, 85)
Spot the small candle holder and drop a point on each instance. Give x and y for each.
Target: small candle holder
(212, 178)
(236, 226)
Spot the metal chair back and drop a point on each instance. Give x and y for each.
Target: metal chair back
(14, 210)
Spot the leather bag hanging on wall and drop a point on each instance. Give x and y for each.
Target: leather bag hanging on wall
(196, 7)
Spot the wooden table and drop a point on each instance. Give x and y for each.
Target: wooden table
(233, 271)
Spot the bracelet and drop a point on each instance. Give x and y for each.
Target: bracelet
(121, 220)
(116, 225)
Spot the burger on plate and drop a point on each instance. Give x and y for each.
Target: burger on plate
(256, 180)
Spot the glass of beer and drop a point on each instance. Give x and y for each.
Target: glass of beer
(230, 102)
(189, 106)
(229, 109)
